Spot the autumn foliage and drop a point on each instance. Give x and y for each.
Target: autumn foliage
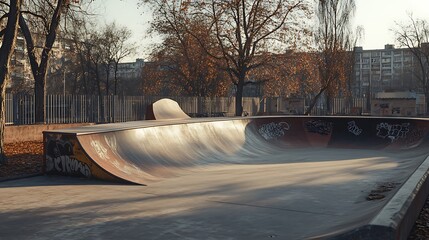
(180, 64)
(293, 74)
(217, 40)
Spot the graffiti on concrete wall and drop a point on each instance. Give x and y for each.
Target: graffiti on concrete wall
(319, 126)
(273, 130)
(392, 131)
(415, 136)
(353, 128)
(59, 158)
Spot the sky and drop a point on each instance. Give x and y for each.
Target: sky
(377, 17)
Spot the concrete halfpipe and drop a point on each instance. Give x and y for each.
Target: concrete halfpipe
(367, 175)
(146, 151)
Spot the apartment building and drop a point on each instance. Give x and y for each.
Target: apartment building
(21, 75)
(384, 70)
(22, 79)
(129, 70)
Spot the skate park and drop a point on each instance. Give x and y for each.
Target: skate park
(284, 177)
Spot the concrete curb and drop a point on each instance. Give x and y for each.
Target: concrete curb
(397, 218)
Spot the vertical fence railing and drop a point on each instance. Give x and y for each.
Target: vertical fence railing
(84, 108)
(9, 109)
(20, 109)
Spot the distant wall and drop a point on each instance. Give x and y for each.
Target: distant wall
(22, 133)
(394, 107)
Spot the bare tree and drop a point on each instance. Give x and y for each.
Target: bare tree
(334, 40)
(414, 35)
(104, 49)
(182, 61)
(120, 47)
(86, 57)
(8, 37)
(245, 32)
(46, 16)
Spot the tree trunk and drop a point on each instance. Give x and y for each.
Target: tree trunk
(39, 98)
(6, 51)
(100, 96)
(314, 101)
(3, 158)
(116, 78)
(328, 104)
(426, 92)
(239, 98)
(40, 70)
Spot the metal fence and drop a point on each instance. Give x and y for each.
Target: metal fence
(83, 108)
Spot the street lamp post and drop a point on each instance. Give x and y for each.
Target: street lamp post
(64, 82)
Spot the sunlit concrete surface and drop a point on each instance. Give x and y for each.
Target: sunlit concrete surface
(283, 177)
(299, 194)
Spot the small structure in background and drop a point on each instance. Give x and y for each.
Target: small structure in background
(398, 104)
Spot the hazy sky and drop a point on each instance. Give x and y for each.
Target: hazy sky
(376, 16)
(379, 16)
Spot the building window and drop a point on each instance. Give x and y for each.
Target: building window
(375, 54)
(386, 78)
(388, 53)
(398, 53)
(375, 77)
(375, 66)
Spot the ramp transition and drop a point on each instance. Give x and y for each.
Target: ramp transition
(141, 152)
(148, 152)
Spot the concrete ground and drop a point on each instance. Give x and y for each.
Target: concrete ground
(298, 194)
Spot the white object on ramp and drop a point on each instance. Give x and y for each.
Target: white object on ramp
(165, 109)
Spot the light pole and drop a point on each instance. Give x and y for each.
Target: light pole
(64, 82)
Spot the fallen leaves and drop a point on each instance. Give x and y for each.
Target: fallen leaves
(421, 227)
(379, 192)
(24, 158)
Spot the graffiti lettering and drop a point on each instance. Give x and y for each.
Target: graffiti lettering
(67, 165)
(319, 126)
(415, 136)
(392, 131)
(59, 159)
(273, 130)
(353, 128)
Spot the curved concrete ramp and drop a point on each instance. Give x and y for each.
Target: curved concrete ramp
(141, 152)
(165, 109)
(342, 167)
